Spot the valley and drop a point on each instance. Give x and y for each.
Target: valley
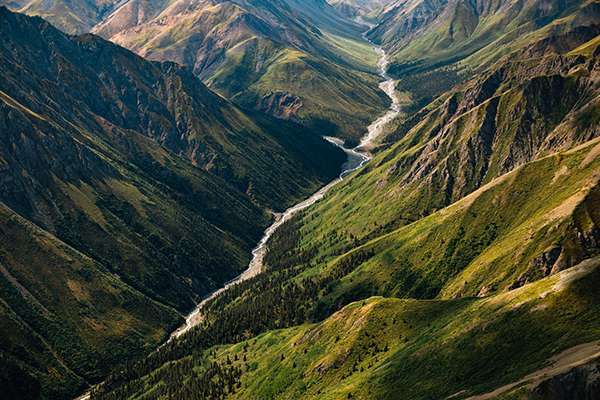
(286, 199)
(356, 158)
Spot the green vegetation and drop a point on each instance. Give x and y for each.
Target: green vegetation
(318, 70)
(479, 205)
(377, 348)
(460, 143)
(429, 258)
(463, 259)
(128, 191)
(64, 318)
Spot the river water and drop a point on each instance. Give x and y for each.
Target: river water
(357, 157)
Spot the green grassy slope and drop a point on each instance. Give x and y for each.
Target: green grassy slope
(477, 207)
(128, 192)
(65, 318)
(382, 348)
(513, 114)
(298, 60)
(512, 260)
(473, 248)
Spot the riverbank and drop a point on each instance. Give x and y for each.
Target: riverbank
(357, 158)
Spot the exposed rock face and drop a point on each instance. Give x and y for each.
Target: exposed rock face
(581, 383)
(402, 19)
(281, 104)
(501, 128)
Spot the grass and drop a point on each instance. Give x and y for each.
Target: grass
(325, 62)
(379, 347)
(469, 246)
(441, 159)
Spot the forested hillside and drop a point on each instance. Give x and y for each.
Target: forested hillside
(456, 257)
(475, 225)
(129, 191)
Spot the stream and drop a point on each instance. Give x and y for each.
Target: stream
(357, 157)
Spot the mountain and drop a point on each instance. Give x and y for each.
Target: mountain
(71, 16)
(459, 262)
(494, 319)
(250, 51)
(360, 9)
(437, 44)
(297, 60)
(495, 125)
(128, 190)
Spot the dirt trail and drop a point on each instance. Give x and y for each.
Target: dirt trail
(559, 364)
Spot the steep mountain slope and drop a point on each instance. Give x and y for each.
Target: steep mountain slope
(436, 44)
(377, 348)
(293, 59)
(519, 111)
(477, 217)
(421, 33)
(491, 192)
(71, 16)
(65, 318)
(108, 229)
(166, 103)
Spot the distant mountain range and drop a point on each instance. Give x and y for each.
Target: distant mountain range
(461, 262)
(297, 60)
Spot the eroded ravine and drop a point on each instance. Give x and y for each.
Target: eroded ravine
(357, 157)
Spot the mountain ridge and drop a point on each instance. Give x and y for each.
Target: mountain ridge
(460, 261)
(109, 231)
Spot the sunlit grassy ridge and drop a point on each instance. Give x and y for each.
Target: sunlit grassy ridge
(464, 140)
(384, 348)
(491, 302)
